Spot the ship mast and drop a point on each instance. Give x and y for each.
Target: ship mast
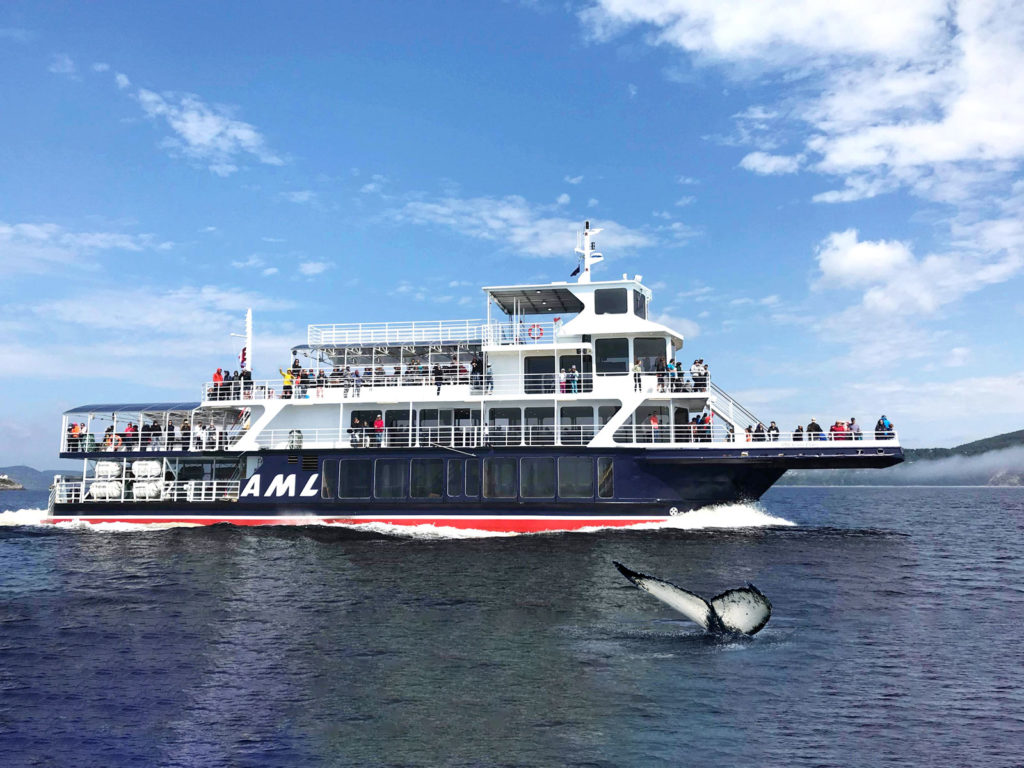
(587, 249)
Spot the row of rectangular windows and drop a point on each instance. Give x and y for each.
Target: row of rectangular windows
(573, 477)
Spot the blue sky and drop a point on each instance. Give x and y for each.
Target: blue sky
(827, 199)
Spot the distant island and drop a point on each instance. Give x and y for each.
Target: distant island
(7, 483)
(994, 461)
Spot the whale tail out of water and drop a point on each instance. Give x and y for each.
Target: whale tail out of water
(744, 610)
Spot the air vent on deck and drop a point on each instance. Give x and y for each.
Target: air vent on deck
(293, 459)
(310, 463)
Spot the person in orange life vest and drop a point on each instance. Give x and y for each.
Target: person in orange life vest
(218, 379)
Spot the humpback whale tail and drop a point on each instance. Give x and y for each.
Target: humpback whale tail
(744, 610)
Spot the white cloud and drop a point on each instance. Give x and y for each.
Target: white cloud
(687, 180)
(310, 268)
(573, 179)
(592, 202)
(122, 80)
(563, 199)
(688, 328)
(844, 260)
(374, 186)
(206, 133)
(253, 261)
(299, 196)
(685, 200)
(633, 90)
(38, 248)
(62, 64)
(764, 163)
(99, 66)
(270, 271)
(520, 226)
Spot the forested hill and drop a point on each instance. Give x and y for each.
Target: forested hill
(1007, 440)
(995, 460)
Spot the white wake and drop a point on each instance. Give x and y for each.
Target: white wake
(720, 516)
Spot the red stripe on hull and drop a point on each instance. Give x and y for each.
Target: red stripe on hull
(499, 524)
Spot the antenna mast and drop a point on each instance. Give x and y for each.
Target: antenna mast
(587, 249)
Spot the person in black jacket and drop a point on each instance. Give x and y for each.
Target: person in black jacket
(814, 430)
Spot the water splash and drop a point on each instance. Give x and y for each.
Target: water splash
(719, 516)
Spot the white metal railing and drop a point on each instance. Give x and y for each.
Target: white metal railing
(718, 434)
(395, 333)
(521, 333)
(427, 436)
(198, 439)
(375, 384)
(119, 490)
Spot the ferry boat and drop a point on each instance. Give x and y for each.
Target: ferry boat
(554, 412)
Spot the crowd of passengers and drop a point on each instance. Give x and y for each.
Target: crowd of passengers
(840, 430)
(148, 437)
(671, 375)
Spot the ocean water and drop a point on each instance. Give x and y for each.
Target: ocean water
(896, 640)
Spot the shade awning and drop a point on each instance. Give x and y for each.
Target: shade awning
(536, 300)
(132, 407)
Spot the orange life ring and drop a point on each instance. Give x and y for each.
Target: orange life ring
(535, 332)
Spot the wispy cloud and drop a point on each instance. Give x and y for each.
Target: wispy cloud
(299, 196)
(17, 34)
(519, 225)
(766, 164)
(62, 64)
(573, 179)
(39, 248)
(310, 268)
(205, 133)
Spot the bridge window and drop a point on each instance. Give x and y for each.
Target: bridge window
(537, 478)
(427, 478)
(575, 477)
(649, 351)
(639, 304)
(354, 481)
(612, 355)
(605, 477)
(391, 478)
(329, 479)
(500, 478)
(540, 426)
(610, 301)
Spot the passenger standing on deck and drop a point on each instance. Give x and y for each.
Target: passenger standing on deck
(638, 370)
(378, 430)
(562, 378)
(855, 429)
(696, 372)
(773, 432)
(798, 434)
(286, 382)
(438, 378)
(218, 379)
(357, 381)
(489, 378)
(814, 430)
(662, 372)
(574, 380)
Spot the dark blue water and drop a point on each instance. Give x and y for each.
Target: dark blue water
(896, 641)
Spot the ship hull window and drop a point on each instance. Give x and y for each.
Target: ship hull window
(605, 477)
(329, 479)
(391, 478)
(456, 477)
(612, 356)
(355, 479)
(537, 478)
(427, 478)
(473, 478)
(575, 477)
(499, 478)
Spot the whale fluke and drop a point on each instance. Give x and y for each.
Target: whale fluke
(743, 610)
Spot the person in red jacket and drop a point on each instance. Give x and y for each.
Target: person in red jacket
(378, 430)
(218, 380)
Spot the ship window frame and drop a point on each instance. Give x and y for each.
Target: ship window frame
(509, 484)
(611, 301)
(605, 464)
(344, 479)
(473, 478)
(602, 364)
(398, 490)
(639, 304)
(532, 485)
(429, 480)
(455, 475)
(329, 490)
(576, 477)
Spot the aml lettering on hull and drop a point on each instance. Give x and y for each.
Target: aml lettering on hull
(280, 485)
